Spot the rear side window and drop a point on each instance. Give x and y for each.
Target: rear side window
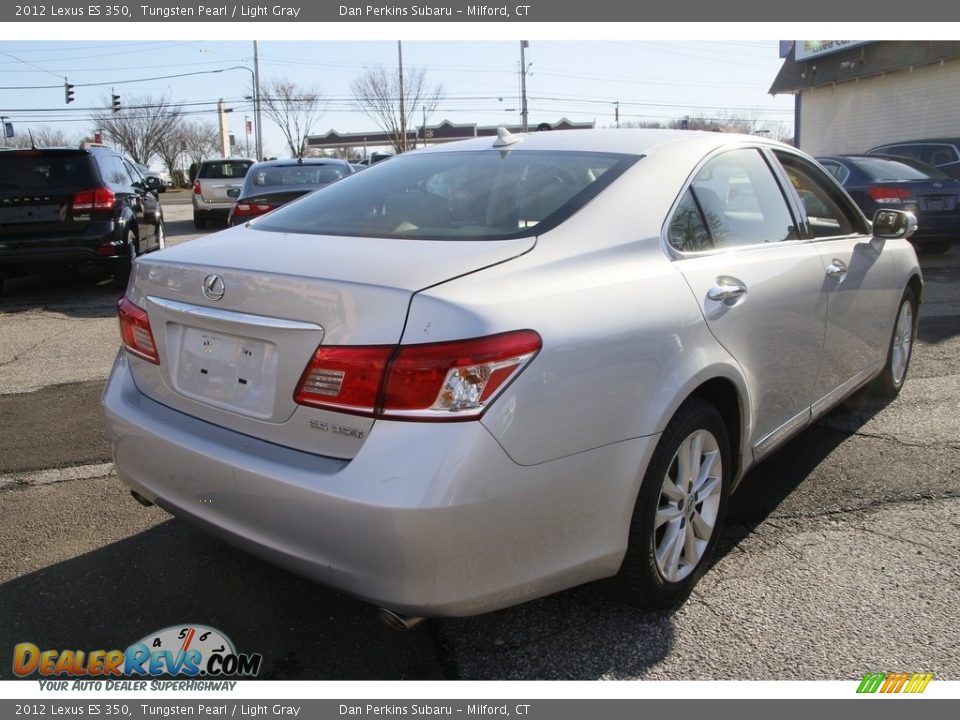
(484, 194)
(734, 200)
(43, 173)
(224, 169)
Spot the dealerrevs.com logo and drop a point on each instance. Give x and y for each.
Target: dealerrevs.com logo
(181, 650)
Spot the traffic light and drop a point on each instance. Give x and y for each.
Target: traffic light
(116, 103)
(67, 92)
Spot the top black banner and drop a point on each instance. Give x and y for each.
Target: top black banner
(459, 11)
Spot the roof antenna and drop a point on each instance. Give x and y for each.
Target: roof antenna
(33, 145)
(505, 138)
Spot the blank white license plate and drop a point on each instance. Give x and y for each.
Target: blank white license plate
(227, 370)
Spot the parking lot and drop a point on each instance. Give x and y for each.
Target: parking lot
(841, 554)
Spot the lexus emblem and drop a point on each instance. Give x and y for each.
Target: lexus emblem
(213, 288)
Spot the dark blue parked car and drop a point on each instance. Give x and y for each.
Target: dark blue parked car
(876, 182)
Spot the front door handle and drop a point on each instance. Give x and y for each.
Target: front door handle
(836, 269)
(726, 289)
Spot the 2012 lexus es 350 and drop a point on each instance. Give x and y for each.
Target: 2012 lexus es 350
(487, 371)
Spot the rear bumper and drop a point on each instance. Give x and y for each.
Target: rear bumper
(65, 255)
(426, 520)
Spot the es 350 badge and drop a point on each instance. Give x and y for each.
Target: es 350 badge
(191, 650)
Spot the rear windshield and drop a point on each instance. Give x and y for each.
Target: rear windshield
(224, 169)
(43, 173)
(881, 169)
(309, 174)
(484, 194)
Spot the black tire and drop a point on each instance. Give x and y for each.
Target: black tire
(644, 578)
(121, 277)
(199, 222)
(887, 385)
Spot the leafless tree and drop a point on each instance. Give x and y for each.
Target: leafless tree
(140, 125)
(200, 140)
(43, 137)
(377, 95)
(172, 147)
(295, 110)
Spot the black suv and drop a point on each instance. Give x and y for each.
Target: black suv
(77, 210)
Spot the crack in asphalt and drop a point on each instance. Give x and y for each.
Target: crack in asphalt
(17, 356)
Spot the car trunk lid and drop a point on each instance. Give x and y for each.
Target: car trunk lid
(237, 316)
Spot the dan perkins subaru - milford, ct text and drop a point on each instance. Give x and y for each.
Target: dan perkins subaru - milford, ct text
(395, 11)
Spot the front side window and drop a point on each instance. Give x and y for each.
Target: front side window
(476, 195)
(939, 154)
(738, 201)
(829, 211)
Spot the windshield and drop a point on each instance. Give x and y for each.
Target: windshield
(306, 174)
(449, 195)
(905, 169)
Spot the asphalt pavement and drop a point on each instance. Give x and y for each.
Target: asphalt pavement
(841, 555)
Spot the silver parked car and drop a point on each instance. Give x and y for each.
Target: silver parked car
(491, 370)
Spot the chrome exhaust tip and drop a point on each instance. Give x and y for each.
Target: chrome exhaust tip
(141, 499)
(398, 621)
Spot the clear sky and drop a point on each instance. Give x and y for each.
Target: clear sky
(577, 80)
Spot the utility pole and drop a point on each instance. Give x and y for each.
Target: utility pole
(256, 100)
(523, 85)
(403, 112)
(424, 125)
(616, 111)
(224, 129)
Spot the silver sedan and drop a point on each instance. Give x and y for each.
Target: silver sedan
(487, 371)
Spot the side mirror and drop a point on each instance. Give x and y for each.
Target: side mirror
(153, 182)
(894, 224)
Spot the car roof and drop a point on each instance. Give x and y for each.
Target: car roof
(628, 141)
(945, 141)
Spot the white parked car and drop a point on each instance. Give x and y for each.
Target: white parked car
(491, 370)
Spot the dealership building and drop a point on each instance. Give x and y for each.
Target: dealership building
(851, 96)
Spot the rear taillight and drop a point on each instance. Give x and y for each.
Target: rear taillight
(196, 187)
(247, 210)
(889, 194)
(97, 199)
(436, 381)
(135, 331)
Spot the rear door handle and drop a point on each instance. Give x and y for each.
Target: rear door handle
(836, 269)
(726, 289)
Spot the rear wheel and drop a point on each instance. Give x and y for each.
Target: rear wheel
(680, 508)
(122, 275)
(199, 222)
(894, 373)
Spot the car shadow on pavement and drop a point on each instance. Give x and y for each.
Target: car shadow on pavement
(171, 575)
(79, 296)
